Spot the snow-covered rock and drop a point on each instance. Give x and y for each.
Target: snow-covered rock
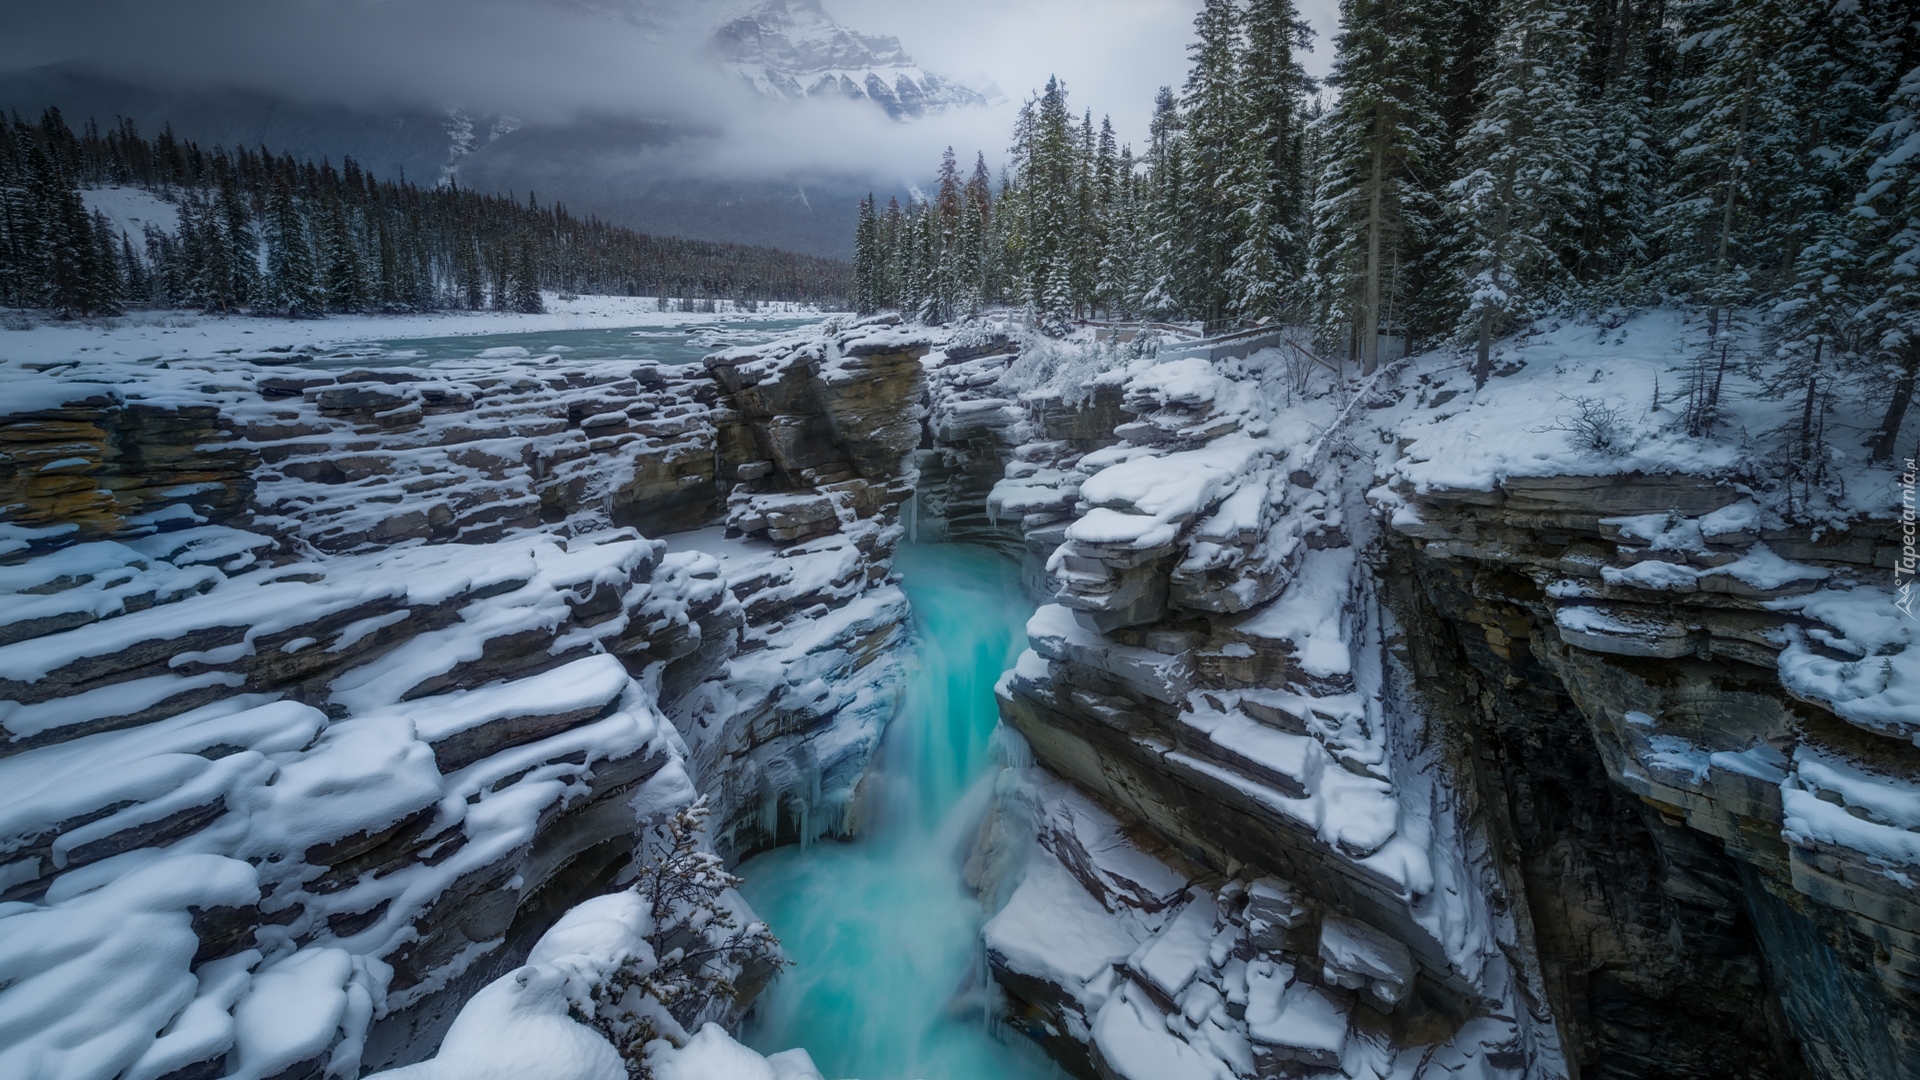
(312, 680)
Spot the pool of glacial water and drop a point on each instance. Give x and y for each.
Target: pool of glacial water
(686, 343)
(886, 982)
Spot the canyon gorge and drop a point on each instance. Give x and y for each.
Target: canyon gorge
(1362, 726)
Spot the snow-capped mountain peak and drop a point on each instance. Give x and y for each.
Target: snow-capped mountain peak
(794, 49)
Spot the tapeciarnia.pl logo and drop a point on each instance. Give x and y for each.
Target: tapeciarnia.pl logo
(1905, 596)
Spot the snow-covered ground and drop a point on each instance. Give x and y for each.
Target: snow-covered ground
(160, 335)
(132, 210)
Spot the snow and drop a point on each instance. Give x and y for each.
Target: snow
(1875, 681)
(1173, 957)
(85, 983)
(1053, 929)
(1310, 614)
(1882, 799)
(1460, 449)
(525, 1026)
(296, 1008)
(1306, 1021)
(1174, 487)
(172, 335)
(132, 210)
(1133, 1040)
(518, 1028)
(713, 1055)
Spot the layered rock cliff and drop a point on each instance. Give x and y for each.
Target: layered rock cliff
(1411, 754)
(1368, 728)
(325, 693)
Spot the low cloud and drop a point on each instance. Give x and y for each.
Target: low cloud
(558, 62)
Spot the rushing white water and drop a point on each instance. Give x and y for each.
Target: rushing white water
(886, 983)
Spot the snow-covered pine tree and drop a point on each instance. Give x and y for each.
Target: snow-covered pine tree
(71, 251)
(240, 256)
(33, 203)
(1046, 151)
(1268, 179)
(344, 276)
(1085, 241)
(1891, 203)
(1623, 178)
(970, 244)
(1166, 242)
(930, 260)
(944, 286)
(1517, 208)
(1123, 272)
(526, 278)
(984, 252)
(1006, 243)
(133, 271)
(913, 272)
(1733, 74)
(866, 260)
(893, 233)
(1373, 211)
(106, 288)
(1215, 111)
(292, 284)
(16, 217)
(1840, 75)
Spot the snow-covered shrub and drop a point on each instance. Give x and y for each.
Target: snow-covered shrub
(698, 945)
(1069, 367)
(1594, 425)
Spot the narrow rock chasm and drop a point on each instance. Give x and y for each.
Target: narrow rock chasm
(1302, 763)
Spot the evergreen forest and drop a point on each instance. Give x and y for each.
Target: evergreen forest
(270, 234)
(1468, 168)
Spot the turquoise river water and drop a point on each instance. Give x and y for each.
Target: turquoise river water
(887, 981)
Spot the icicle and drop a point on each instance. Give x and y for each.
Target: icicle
(1013, 747)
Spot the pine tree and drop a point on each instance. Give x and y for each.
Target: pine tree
(1268, 182)
(241, 254)
(133, 271)
(17, 222)
(73, 286)
(1215, 112)
(1624, 175)
(526, 280)
(1518, 208)
(866, 260)
(292, 285)
(342, 271)
(1166, 238)
(1045, 148)
(1373, 214)
(106, 288)
(893, 245)
(1723, 109)
(1891, 204)
(968, 259)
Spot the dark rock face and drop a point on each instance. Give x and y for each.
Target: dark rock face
(1587, 713)
(99, 464)
(1681, 934)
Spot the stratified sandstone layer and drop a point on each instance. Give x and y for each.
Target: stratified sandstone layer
(323, 694)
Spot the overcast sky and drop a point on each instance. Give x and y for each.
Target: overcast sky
(540, 60)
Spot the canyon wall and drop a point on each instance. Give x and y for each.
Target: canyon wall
(326, 692)
(1603, 774)
(1358, 735)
